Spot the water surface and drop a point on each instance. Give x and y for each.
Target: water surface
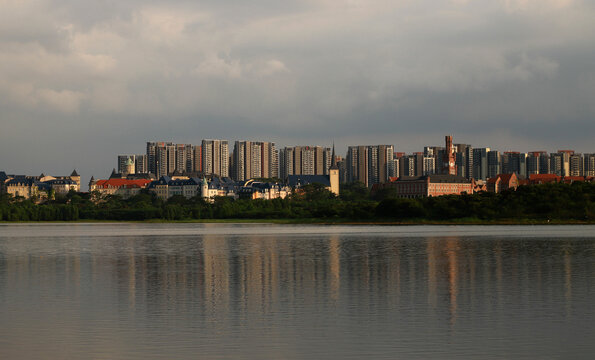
(255, 291)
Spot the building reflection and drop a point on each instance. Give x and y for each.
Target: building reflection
(240, 277)
(453, 276)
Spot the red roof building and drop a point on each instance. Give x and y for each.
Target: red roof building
(429, 185)
(123, 187)
(502, 182)
(536, 179)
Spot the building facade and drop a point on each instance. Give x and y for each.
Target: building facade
(370, 164)
(430, 185)
(304, 160)
(254, 159)
(215, 157)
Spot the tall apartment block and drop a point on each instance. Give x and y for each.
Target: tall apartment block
(480, 163)
(494, 164)
(407, 165)
(576, 165)
(464, 160)
(589, 164)
(140, 164)
(254, 159)
(184, 158)
(369, 164)
(514, 162)
(538, 162)
(151, 151)
(197, 166)
(165, 158)
(412, 165)
(304, 160)
(342, 165)
(215, 157)
(560, 162)
(161, 158)
(429, 167)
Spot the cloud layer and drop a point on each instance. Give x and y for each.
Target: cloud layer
(81, 81)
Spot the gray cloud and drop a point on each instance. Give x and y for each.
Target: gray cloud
(81, 81)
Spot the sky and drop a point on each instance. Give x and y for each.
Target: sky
(82, 81)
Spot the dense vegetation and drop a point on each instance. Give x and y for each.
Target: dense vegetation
(559, 202)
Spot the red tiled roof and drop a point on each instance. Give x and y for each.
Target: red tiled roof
(118, 183)
(506, 177)
(544, 177)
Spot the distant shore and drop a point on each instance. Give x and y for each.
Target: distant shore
(320, 222)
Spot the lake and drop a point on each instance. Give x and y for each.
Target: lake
(259, 291)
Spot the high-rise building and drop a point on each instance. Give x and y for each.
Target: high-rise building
(254, 159)
(151, 162)
(576, 165)
(393, 167)
(429, 167)
(304, 160)
(161, 158)
(589, 164)
(407, 166)
(197, 166)
(560, 162)
(480, 163)
(286, 161)
(215, 157)
(494, 164)
(514, 162)
(369, 164)
(342, 164)
(464, 160)
(537, 163)
(184, 154)
(166, 158)
(356, 162)
(140, 164)
(544, 163)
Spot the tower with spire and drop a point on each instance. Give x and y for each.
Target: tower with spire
(333, 173)
(74, 176)
(204, 188)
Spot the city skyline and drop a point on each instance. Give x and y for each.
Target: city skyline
(369, 164)
(227, 168)
(80, 79)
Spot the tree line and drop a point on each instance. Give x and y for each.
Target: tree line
(560, 202)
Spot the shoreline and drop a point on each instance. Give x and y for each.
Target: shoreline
(468, 222)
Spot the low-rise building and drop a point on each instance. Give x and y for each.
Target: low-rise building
(24, 187)
(167, 187)
(39, 187)
(123, 187)
(63, 186)
(263, 190)
(218, 187)
(430, 185)
(536, 179)
(502, 182)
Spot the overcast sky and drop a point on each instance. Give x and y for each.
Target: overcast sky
(82, 81)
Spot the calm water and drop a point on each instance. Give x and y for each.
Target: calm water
(210, 291)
